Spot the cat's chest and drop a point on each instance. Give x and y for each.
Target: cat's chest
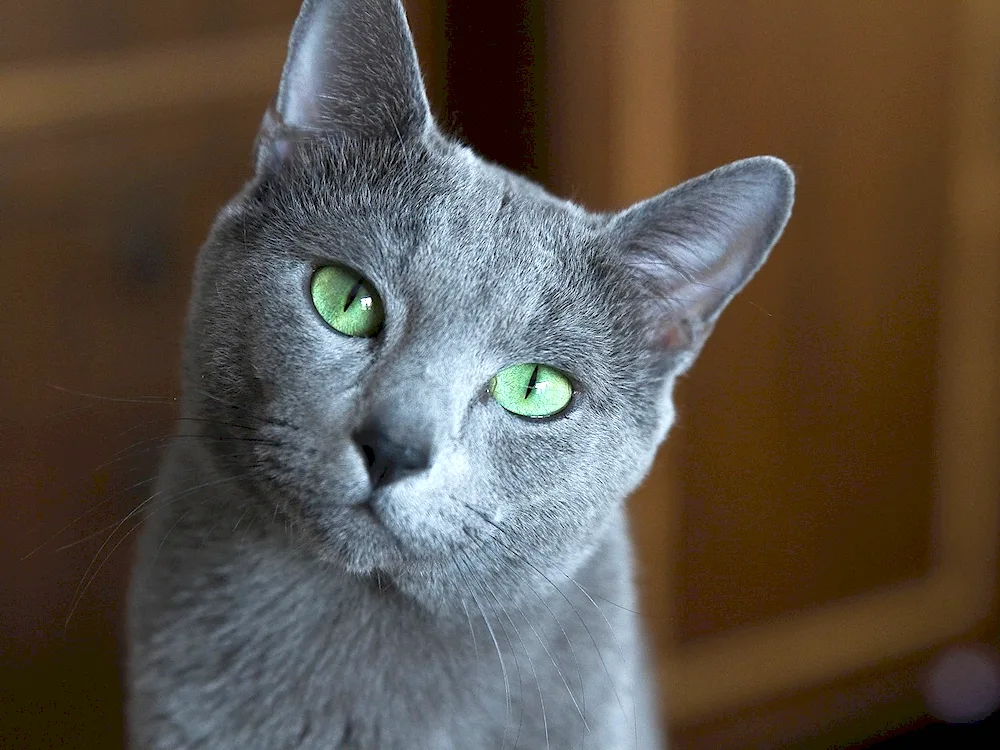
(239, 648)
(246, 646)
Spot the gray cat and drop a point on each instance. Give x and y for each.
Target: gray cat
(420, 389)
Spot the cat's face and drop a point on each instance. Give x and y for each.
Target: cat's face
(475, 273)
(397, 448)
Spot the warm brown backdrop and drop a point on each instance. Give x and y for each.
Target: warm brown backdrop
(824, 520)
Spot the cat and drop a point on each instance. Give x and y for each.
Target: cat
(418, 390)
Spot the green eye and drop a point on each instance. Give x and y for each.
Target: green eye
(531, 390)
(346, 301)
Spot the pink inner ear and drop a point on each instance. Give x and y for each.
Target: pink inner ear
(677, 335)
(307, 74)
(274, 142)
(674, 336)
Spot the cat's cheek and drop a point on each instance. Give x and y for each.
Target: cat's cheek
(451, 468)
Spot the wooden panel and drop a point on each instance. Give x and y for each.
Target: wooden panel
(101, 224)
(826, 509)
(48, 93)
(58, 29)
(497, 48)
(806, 434)
(868, 144)
(63, 30)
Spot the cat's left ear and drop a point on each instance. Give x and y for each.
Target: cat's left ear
(351, 70)
(694, 247)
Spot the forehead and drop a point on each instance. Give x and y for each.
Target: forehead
(501, 259)
(463, 252)
(459, 241)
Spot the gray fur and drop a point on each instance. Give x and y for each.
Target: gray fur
(487, 601)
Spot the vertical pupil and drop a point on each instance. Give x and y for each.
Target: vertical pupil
(531, 382)
(353, 294)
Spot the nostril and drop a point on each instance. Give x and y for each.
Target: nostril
(388, 460)
(377, 466)
(369, 454)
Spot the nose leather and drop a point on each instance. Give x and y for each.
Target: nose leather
(391, 452)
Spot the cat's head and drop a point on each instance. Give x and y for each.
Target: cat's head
(437, 372)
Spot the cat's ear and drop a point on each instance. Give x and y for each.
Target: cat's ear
(694, 247)
(352, 69)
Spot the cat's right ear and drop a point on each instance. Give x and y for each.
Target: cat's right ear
(352, 70)
(693, 248)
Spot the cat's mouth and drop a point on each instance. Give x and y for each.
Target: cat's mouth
(367, 509)
(337, 513)
(366, 518)
(357, 540)
(358, 536)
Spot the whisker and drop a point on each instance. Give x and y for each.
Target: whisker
(472, 631)
(146, 445)
(618, 646)
(517, 671)
(593, 640)
(579, 671)
(548, 653)
(76, 543)
(154, 400)
(88, 578)
(503, 666)
(240, 519)
(89, 511)
(198, 420)
(531, 664)
(67, 413)
(163, 541)
(81, 516)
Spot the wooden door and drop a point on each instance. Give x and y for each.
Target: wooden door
(824, 517)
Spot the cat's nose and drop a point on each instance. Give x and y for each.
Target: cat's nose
(391, 454)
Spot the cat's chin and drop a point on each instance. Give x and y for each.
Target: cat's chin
(355, 541)
(352, 537)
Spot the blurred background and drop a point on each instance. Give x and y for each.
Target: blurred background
(819, 539)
